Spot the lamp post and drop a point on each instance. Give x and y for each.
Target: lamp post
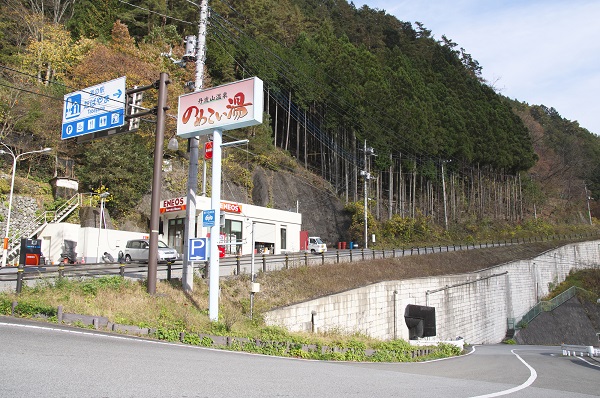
(12, 186)
(102, 196)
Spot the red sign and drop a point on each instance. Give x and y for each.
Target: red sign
(231, 207)
(208, 150)
(174, 204)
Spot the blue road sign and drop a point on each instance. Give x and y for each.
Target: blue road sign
(96, 108)
(208, 218)
(198, 249)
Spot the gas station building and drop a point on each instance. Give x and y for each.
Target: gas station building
(275, 231)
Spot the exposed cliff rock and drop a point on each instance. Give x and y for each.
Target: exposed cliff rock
(323, 213)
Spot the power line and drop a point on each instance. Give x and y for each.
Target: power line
(157, 13)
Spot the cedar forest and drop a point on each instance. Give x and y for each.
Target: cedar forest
(450, 150)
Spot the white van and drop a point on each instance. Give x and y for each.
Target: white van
(316, 245)
(139, 249)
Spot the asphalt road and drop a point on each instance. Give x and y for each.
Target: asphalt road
(39, 359)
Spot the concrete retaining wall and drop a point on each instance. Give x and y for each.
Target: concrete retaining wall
(475, 306)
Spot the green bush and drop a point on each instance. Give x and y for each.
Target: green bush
(30, 309)
(5, 306)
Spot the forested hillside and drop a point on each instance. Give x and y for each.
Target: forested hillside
(350, 92)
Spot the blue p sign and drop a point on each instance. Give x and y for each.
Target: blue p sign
(197, 249)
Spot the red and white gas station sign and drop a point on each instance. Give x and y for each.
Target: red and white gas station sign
(208, 150)
(231, 207)
(227, 107)
(175, 204)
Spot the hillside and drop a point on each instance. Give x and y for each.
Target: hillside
(349, 93)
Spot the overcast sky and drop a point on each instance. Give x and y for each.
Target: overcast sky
(536, 51)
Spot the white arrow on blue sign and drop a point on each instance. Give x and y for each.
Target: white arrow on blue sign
(198, 249)
(96, 108)
(208, 218)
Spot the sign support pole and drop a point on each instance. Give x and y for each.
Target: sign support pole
(161, 115)
(215, 202)
(187, 278)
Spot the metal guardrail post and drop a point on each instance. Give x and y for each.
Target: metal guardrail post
(20, 278)
(350, 255)
(287, 264)
(322, 258)
(122, 269)
(238, 265)
(61, 269)
(373, 254)
(169, 267)
(362, 252)
(264, 263)
(305, 259)
(337, 256)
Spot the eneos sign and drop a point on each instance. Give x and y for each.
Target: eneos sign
(227, 107)
(175, 204)
(231, 207)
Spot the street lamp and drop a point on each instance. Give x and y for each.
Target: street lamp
(102, 196)
(12, 186)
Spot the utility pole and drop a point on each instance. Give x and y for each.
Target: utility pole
(190, 209)
(587, 198)
(444, 198)
(161, 116)
(366, 175)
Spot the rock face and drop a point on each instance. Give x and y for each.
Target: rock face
(323, 213)
(24, 211)
(571, 323)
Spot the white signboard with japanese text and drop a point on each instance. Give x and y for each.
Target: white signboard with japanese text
(227, 107)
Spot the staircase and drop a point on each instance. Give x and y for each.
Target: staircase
(14, 239)
(542, 306)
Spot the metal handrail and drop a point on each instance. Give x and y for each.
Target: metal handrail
(543, 306)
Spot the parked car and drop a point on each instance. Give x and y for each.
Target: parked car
(139, 249)
(316, 245)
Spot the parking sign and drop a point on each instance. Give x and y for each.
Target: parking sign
(198, 249)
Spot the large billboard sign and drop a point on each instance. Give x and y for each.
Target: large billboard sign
(227, 107)
(96, 108)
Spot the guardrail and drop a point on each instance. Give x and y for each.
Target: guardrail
(579, 350)
(238, 265)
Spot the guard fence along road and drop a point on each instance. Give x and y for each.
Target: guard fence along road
(239, 265)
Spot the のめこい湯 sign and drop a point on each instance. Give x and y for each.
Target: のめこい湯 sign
(227, 107)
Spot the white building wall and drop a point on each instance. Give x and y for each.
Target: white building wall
(268, 218)
(475, 306)
(91, 242)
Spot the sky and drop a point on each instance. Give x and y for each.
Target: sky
(536, 51)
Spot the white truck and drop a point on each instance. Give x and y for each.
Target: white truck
(316, 245)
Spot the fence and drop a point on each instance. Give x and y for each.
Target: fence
(239, 265)
(543, 306)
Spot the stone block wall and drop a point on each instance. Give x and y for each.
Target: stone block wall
(474, 306)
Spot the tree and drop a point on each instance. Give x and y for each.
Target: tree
(122, 164)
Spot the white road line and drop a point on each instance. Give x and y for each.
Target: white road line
(530, 380)
(588, 362)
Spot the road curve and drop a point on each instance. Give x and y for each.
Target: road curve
(40, 359)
